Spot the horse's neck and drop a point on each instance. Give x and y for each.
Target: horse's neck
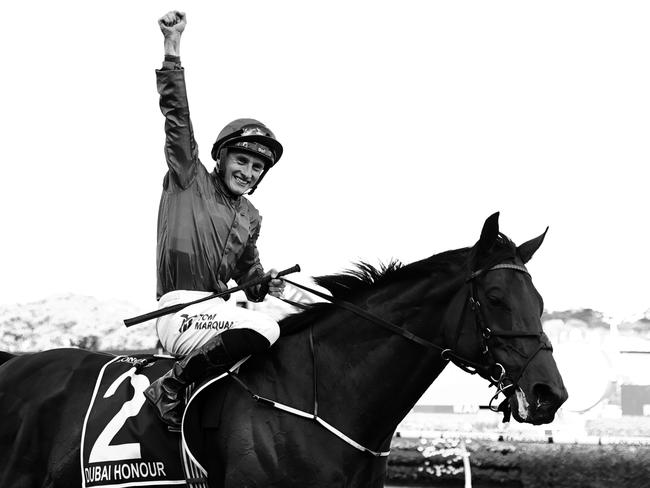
(369, 378)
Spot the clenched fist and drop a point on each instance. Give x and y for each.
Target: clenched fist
(173, 23)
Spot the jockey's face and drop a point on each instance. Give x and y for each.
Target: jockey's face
(241, 171)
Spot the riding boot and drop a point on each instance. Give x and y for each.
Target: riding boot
(166, 394)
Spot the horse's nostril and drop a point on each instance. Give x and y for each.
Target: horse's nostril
(544, 395)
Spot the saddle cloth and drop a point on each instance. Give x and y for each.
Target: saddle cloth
(123, 443)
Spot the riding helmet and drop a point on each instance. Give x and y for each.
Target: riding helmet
(249, 135)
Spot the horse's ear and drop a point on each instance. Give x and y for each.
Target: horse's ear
(489, 234)
(527, 249)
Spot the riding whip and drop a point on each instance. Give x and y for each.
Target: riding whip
(180, 306)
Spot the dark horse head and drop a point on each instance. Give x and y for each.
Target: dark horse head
(502, 308)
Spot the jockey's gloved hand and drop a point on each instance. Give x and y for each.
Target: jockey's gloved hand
(276, 285)
(221, 288)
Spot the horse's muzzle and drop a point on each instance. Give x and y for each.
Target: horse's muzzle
(539, 405)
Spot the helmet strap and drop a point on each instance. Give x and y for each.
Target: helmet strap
(250, 192)
(221, 158)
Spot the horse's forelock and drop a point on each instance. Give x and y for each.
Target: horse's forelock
(502, 250)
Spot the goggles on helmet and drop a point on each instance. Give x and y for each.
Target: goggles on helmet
(254, 147)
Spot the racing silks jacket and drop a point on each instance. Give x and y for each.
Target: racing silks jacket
(205, 235)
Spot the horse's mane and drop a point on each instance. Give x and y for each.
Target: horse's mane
(358, 279)
(362, 278)
(365, 277)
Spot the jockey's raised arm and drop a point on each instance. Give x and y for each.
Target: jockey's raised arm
(207, 235)
(181, 150)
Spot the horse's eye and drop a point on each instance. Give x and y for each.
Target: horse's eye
(498, 302)
(494, 300)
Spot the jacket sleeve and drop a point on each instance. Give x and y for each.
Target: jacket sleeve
(249, 267)
(181, 151)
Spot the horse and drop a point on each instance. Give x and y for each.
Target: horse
(355, 368)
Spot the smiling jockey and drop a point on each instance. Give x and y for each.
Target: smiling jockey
(207, 234)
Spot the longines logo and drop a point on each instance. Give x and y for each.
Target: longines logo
(203, 321)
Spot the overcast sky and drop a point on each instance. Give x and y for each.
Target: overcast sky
(405, 124)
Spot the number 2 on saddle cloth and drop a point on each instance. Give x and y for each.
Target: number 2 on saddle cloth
(122, 441)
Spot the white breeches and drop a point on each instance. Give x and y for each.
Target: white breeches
(184, 331)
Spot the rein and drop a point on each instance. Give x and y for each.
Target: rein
(445, 353)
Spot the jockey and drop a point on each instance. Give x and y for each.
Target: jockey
(207, 234)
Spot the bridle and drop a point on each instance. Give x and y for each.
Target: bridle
(487, 333)
(472, 367)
